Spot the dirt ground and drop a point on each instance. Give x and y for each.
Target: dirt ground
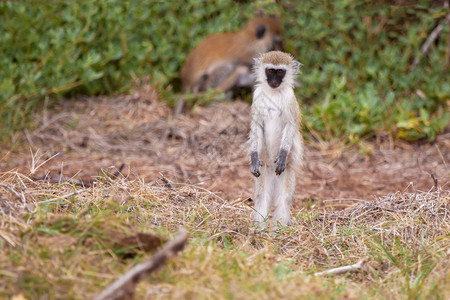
(207, 148)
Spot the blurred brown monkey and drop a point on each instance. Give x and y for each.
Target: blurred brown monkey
(223, 61)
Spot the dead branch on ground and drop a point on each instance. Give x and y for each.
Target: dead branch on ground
(345, 269)
(21, 197)
(431, 38)
(124, 287)
(64, 197)
(60, 178)
(167, 182)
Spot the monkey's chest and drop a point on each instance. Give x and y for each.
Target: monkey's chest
(273, 130)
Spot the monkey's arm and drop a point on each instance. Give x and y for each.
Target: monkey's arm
(280, 161)
(256, 163)
(287, 139)
(286, 143)
(256, 136)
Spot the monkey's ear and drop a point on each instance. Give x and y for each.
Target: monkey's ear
(260, 30)
(295, 66)
(260, 13)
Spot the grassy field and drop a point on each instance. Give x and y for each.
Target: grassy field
(359, 95)
(60, 241)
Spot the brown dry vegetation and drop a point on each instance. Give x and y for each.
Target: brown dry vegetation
(207, 148)
(60, 240)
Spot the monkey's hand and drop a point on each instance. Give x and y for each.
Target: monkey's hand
(256, 163)
(281, 162)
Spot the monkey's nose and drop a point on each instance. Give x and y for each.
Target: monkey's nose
(274, 84)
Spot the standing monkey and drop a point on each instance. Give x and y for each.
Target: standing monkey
(223, 61)
(274, 136)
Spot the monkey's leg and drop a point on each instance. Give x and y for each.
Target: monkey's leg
(246, 80)
(262, 199)
(238, 75)
(229, 95)
(179, 106)
(198, 87)
(285, 187)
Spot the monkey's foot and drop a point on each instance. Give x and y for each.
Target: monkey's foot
(261, 226)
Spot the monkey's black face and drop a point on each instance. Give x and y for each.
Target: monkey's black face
(275, 77)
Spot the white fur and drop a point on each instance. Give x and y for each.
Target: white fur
(275, 126)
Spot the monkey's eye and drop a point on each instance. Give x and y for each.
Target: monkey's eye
(271, 71)
(281, 72)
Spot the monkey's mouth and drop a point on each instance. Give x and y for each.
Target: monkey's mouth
(274, 84)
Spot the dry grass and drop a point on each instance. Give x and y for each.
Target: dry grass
(60, 243)
(60, 240)
(207, 148)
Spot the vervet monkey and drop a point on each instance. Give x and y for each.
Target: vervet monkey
(275, 141)
(223, 61)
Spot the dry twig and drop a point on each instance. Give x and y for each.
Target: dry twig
(124, 287)
(345, 269)
(6, 208)
(167, 182)
(59, 178)
(431, 38)
(435, 181)
(64, 197)
(21, 197)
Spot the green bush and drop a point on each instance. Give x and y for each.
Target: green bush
(357, 60)
(59, 48)
(355, 71)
